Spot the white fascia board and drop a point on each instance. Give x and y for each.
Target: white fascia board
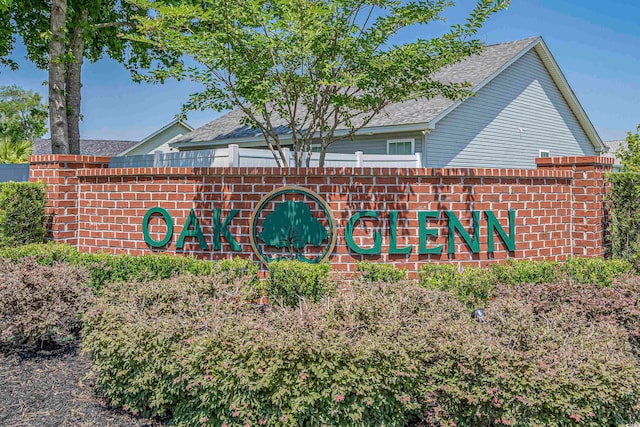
(158, 132)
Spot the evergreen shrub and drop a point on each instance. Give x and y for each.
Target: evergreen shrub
(104, 268)
(291, 282)
(22, 213)
(380, 272)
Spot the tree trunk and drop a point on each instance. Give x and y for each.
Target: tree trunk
(74, 85)
(57, 104)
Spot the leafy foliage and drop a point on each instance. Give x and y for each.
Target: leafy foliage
(14, 152)
(23, 116)
(376, 272)
(39, 305)
(546, 356)
(630, 153)
(304, 69)
(474, 286)
(291, 282)
(105, 268)
(625, 216)
(202, 352)
(78, 30)
(22, 213)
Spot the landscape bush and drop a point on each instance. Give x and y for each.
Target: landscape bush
(546, 356)
(202, 352)
(380, 272)
(473, 285)
(22, 213)
(39, 305)
(291, 282)
(104, 268)
(134, 331)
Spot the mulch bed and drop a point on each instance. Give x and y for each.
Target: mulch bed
(55, 388)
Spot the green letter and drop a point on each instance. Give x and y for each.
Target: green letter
(393, 245)
(348, 234)
(192, 220)
(424, 232)
(493, 224)
(145, 228)
(454, 225)
(221, 227)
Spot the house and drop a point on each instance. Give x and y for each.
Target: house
(613, 147)
(156, 142)
(159, 140)
(88, 147)
(523, 108)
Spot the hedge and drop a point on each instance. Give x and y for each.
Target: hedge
(22, 213)
(104, 268)
(201, 352)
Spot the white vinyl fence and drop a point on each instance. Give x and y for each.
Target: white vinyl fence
(235, 156)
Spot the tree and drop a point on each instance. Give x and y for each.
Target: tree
(291, 225)
(14, 152)
(23, 116)
(319, 66)
(59, 35)
(629, 154)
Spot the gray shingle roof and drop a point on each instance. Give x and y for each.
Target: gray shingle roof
(89, 147)
(474, 70)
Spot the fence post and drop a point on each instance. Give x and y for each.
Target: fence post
(287, 155)
(234, 155)
(359, 159)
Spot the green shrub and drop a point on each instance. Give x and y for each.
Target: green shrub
(133, 331)
(596, 270)
(289, 281)
(201, 351)
(39, 305)
(374, 272)
(473, 285)
(105, 268)
(515, 272)
(22, 213)
(549, 354)
(625, 216)
(361, 360)
(45, 254)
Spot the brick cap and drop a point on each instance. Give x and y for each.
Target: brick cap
(76, 158)
(574, 160)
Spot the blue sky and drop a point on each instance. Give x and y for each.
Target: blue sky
(596, 43)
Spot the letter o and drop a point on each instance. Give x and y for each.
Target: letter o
(145, 227)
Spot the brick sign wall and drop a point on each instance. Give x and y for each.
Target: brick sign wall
(403, 216)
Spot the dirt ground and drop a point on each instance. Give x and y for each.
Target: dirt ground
(55, 389)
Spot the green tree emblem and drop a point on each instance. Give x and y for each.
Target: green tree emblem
(291, 225)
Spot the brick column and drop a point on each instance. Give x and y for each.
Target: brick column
(589, 190)
(59, 173)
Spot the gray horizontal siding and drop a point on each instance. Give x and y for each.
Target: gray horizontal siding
(376, 144)
(485, 131)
